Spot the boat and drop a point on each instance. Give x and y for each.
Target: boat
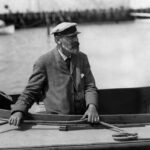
(126, 108)
(7, 29)
(140, 15)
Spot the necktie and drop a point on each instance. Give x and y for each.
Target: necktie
(68, 63)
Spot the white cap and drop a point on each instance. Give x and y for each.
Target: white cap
(65, 29)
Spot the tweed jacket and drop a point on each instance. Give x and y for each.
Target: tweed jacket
(62, 91)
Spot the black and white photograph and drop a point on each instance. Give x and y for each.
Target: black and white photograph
(74, 74)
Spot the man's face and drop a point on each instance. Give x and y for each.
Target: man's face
(70, 44)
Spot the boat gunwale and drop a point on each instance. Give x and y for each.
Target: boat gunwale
(113, 119)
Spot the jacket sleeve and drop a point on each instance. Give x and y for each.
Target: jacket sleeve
(33, 90)
(91, 95)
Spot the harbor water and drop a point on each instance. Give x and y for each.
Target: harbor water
(119, 54)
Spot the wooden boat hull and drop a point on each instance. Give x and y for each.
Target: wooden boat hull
(116, 101)
(122, 107)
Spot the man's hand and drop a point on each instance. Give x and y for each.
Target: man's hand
(16, 118)
(92, 114)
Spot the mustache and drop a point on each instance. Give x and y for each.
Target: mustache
(75, 44)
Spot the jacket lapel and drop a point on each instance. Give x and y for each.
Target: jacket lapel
(73, 71)
(61, 64)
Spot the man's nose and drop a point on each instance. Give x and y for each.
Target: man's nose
(75, 39)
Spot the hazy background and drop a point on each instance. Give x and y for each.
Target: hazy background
(119, 52)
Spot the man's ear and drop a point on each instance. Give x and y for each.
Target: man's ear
(57, 40)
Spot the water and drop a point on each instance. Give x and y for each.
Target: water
(119, 54)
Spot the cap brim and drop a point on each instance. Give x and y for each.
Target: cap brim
(72, 34)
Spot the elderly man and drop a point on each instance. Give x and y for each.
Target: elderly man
(63, 78)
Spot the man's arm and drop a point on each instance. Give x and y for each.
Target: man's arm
(31, 94)
(91, 95)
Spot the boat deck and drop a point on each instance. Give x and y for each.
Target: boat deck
(49, 137)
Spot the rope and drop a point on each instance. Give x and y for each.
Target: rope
(51, 122)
